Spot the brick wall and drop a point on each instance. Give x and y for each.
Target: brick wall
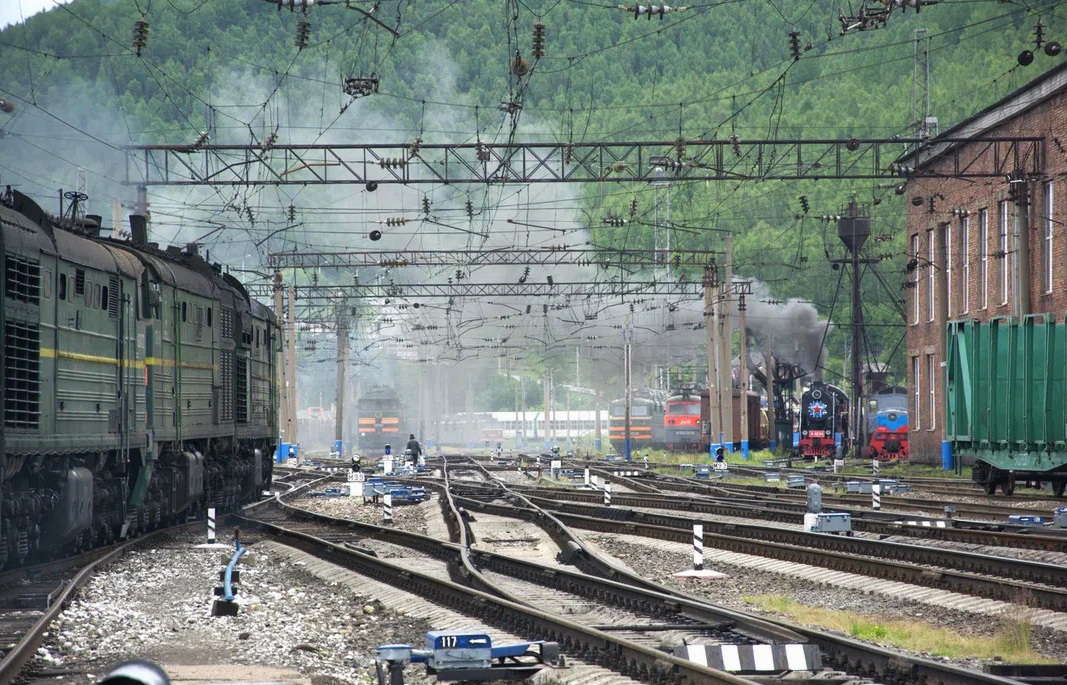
(976, 292)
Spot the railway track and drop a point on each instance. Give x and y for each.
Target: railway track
(788, 512)
(32, 597)
(839, 652)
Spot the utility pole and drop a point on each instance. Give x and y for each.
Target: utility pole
(628, 373)
(772, 412)
(280, 360)
(726, 340)
(291, 432)
(548, 404)
(1020, 194)
(741, 308)
(714, 416)
(922, 124)
(522, 408)
(342, 365)
(853, 230)
(470, 411)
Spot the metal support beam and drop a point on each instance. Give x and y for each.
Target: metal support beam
(433, 258)
(694, 160)
(333, 293)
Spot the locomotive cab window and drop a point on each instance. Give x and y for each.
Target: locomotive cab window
(62, 286)
(209, 317)
(184, 312)
(103, 298)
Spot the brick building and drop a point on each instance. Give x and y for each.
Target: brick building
(1004, 238)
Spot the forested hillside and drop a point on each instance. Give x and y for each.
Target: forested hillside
(720, 69)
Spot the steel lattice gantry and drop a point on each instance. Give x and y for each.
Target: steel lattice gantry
(503, 257)
(592, 289)
(693, 160)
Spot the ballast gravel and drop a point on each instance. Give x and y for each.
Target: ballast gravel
(745, 582)
(408, 517)
(156, 604)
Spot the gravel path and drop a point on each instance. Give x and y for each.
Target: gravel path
(741, 582)
(156, 604)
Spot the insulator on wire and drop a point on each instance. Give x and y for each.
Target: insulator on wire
(470, 209)
(482, 151)
(392, 162)
(269, 141)
(615, 221)
(736, 143)
(396, 221)
(804, 205)
(426, 206)
(291, 215)
(633, 208)
(538, 47)
(650, 10)
(201, 139)
(794, 44)
(303, 34)
(140, 36)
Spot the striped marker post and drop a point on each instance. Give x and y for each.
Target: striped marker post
(607, 494)
(646, 461)
(698, 546)
(874, 466)
(211, 525)
(876, 496)
(387, 509)
(587, 476)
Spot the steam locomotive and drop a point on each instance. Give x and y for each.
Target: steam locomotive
(823, 421)
(137, 385)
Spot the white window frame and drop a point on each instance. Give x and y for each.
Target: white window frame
(931, 371)
(916, 290)
(930, 265)
(965, 267)
(1050, 233)
(916, 375)
(1002, 249)
(983, 255)
(946, 235)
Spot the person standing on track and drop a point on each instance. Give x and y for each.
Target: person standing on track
(414, 446)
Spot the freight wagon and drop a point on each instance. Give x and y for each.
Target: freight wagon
(1006, 401)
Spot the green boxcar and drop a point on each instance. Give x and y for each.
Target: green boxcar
(1006, 402)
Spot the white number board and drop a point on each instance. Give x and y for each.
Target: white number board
(356, 477)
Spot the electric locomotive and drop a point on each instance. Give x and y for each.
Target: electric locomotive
(378, 417)
(823, 421)
(137, 384)
(646, 421)
(681, 421)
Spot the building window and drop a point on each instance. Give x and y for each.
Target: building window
(965, 265)
(916, 384)
(983, 257)
(930, 264)
(946, 236)
(1002, 250)
(931, 381)
(1050, 228)
(915, 290)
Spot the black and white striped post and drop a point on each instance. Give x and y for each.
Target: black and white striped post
(607, 494)
(587, 476)
(876, 496)
(387, 509)
(211, 525)
(698, 546)
(874, 466)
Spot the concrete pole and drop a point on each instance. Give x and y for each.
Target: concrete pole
(726, 340)
(772, 414)
(714, 416)
(280, 361)
(342, 366)
(942, 310)
(1022, 254)
(292, 433)
(741, 307)
(470, 411)
(628, 373)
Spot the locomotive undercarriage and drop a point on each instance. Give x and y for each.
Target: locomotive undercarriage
(55, 505)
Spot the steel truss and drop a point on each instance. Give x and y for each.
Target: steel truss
(694, 160)
(589, 289)
(466, 258)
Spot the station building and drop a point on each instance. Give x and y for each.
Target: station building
(1004, 237)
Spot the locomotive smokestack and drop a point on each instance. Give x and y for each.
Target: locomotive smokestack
(138, 230)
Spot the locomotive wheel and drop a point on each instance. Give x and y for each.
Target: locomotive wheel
(990, 486)
(1007, 486)
(1058, 486)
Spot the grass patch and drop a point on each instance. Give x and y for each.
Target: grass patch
(1010, 642)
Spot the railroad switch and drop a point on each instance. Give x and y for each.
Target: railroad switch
(455, 655)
